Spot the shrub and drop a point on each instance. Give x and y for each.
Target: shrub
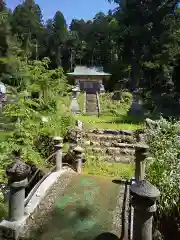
(115, 107)
(164, 168)
(30, 134)
(126, 97)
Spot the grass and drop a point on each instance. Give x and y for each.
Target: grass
(109, 122)
(98, 167)
(81, 102)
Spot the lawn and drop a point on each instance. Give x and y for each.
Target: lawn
(97, 166)
(110, 122)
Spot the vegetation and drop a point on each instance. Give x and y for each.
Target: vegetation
(30, 134)
(140, 50)
(97, 166)
(116, 107)
(164, 168)
(108, 122)
(138, 42)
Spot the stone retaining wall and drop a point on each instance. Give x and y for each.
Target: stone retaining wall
(111, 145)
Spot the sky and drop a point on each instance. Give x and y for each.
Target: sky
(78, 9)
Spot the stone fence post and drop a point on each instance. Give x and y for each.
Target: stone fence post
(144, 196)
(78, 151)
(58, 144)
(17, 179)
(141, 152)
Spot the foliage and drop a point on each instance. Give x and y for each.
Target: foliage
(30, 133)
(81, 102)
(139, 49)
(115, 107)
(164, 168)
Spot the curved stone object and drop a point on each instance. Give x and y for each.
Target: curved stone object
(145, 189)
(18, 171)
(78, 150)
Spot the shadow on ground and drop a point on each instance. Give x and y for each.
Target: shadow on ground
(65, 224)
(107, 236)
(130, 119)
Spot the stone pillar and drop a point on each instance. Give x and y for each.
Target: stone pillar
(74, 107)
(144, 197)
(78, 151)
(58, 143)
(17, 178)
(141, 152)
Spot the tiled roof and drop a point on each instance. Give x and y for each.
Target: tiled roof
(88, 71)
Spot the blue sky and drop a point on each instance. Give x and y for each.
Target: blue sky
(78, 9)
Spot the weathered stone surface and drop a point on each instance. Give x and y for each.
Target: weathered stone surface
(35, 218)
(87, 143)
(145, 189)
(109, 140)
(18, 171)
(95, 144)
(74, 107)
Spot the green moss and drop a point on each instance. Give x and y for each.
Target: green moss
(84, 211)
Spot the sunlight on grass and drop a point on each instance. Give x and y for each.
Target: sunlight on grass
(97, 166)
(107, 122)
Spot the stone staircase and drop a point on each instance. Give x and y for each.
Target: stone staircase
(91, 104)
(111, 146)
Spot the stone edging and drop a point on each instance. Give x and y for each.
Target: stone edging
(114, 132)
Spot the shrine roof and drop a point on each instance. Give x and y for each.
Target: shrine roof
(88, 71)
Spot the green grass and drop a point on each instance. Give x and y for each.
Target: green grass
(81, 102)
(96, 166)
(108, 122)
(4, 135)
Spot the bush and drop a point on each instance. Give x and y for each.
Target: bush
(30, 134)
(115, 107)
(164, 169)
(126, 97)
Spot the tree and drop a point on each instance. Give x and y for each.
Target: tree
(27, 24)
(59, 37)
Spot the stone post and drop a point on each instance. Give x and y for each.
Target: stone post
(58, 143)
(141, 152)
(78, 151)
(144, 196)
(17, 179)
(74, 107)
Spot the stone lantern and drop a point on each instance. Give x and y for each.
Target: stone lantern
(74, 107)
(78, 151)
(17, 179)
(144, 196)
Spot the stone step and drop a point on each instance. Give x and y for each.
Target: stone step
(116, 159)
(109, 139)
(116, 143)
(91, 113)
(111, 132)
(111, 151)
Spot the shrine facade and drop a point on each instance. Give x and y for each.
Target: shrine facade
(89, 79)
